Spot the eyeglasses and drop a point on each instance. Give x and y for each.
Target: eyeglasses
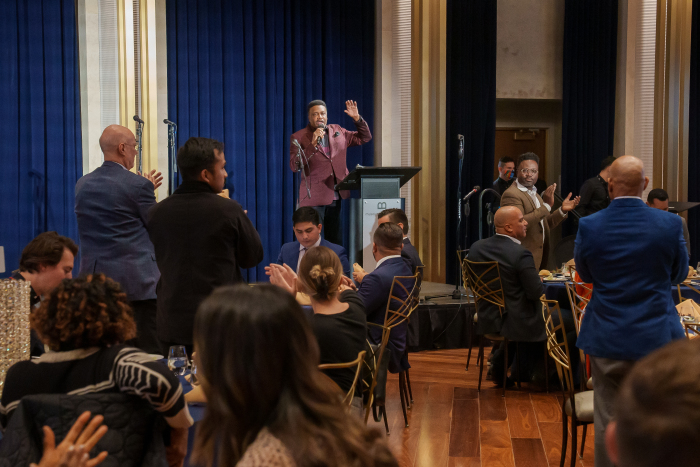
(528, 171)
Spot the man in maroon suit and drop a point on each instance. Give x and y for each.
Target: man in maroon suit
(324, 148)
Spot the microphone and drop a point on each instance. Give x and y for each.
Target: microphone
(323, 127)
(138, 120)
(167, 122)
(461, 146)
(474, 190)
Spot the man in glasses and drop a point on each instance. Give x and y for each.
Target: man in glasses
(536, 209)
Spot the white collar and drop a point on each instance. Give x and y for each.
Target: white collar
(628, 197)
(318, 242)
(386, 258)
(512, 238)
(524, 188)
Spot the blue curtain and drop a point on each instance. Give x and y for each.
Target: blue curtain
(242, 72)
(471, 112)
(41, 157)
(588, 103)
(694, 135)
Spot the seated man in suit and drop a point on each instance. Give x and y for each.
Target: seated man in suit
(658, 198)
(409, 252)
(307, 229)
(522, 321)
(375, 288)
(45, 262)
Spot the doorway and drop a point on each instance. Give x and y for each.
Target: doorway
(516, 141)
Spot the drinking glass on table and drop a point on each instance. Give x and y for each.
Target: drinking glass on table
(177, 359)
(194, 381)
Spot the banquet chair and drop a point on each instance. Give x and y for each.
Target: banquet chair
(398, 311)
(578, 406)
(484, 280)
(692, 329)
(416, 301)
(357, 363)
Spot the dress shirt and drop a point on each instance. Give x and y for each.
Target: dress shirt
(302, 250)
(386, 258)
(532, 191)
(512, 238)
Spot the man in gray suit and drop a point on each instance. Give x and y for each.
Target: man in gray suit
(111, 205)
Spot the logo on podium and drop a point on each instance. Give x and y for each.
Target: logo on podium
(381, 205)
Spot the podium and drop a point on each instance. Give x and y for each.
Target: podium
(380, 189)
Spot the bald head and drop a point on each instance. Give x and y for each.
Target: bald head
(509, 221)
(627, 177)
(118, 144)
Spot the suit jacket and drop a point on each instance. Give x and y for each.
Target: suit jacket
(289, 255)
(535, 239)
(631, 312)
(522, 289)
(111, 205)
(374, 291)
(410, 255)
(323, 173)
(201, 242)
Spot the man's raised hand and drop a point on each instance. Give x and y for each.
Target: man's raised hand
(155, 177)
(351, 110)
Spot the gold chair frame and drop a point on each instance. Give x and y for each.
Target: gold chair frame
(416, 302)
(688, 327)
(347, 400)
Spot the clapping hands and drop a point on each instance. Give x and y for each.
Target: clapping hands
(155, 177)
(282, 276)
(73, 450)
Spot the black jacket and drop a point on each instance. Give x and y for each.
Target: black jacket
(201, 241)
(410, 255)
(522, 289)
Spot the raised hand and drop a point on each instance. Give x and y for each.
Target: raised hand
(359, 275)
(282, 276)
(351, 110)
(346, 283)
(548, 195)
(155, 177)
(568, 204)
(73, 450)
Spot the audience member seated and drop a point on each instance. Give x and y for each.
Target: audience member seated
(658, 198)
(268, 404)
(307, 229)
(631, 312)
(409, 252)
(85, 323)
(375, 288)
(45, 262)
(339, 321)
(657, 417)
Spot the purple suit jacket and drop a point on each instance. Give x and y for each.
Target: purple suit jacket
(320, 170)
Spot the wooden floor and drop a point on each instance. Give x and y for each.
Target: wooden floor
(453, 425)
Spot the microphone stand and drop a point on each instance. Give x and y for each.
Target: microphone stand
(481, 204)
(172, 131)
(139, 137)
(302, 158)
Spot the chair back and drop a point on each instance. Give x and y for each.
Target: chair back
(376, 369)
(557, 345)
(398, 308)
(578, 303)
(357, 363)
(484, 280)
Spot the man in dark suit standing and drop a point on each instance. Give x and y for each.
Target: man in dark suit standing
(375, 288)
(325, 147)
(631, 312)
(409, 252)
(307, 229)
(201, 240)
(522, 288)
(111, 205)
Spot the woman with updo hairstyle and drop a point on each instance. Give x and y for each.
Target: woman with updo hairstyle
(268, 405)
(339, 321)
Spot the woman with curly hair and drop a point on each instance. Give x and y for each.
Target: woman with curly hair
(85, 322)
(267, 402)
(339, 321)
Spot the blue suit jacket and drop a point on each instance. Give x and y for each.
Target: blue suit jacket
(289, 255)
(111, 205)
(374, 291)
(632, 254)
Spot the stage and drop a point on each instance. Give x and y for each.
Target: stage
(439, 323)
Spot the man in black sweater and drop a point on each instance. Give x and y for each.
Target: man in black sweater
(201, 240)
(409, 252)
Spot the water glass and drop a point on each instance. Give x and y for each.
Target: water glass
(194, 380)
(177, 359)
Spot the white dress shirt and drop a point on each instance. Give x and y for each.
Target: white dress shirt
(302, 250)
(532, 192)
(386, 258)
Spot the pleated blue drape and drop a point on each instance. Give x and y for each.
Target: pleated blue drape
(41, 153)
(243, 71)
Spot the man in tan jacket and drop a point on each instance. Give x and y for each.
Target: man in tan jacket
(536, 210)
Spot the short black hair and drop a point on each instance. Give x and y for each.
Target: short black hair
(196, 155)
(504, 160)
(315, 103)
(306, 214)
(388, 236)
(657, 193)
(45, 249)
(396, 216)
(607, 162)
(528, 156)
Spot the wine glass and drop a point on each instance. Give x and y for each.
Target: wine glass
(177, 359)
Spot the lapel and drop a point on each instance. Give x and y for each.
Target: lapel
(294, 259)
(528, 197)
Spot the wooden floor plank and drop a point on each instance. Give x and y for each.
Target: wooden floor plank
(528, 452)
(521, 416)
(547, 408)
(492, 406)
(464, 462)
(495, 434)
(464, 433)
(466, 393)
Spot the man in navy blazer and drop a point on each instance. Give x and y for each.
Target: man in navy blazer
(111, 205)
(375, 288)
(409, 252)
(307, 229)
(631, 312)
